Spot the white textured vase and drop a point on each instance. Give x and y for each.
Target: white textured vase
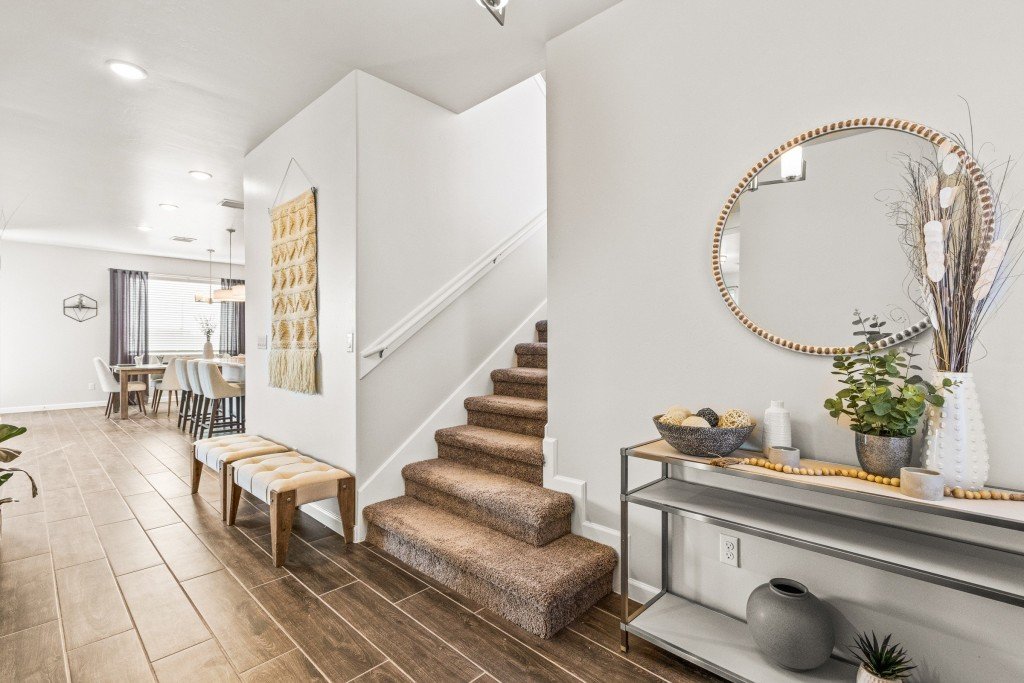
(955, 444)
(864, 676)
(207, 350)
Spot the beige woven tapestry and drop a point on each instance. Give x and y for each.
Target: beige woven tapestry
(293, 294)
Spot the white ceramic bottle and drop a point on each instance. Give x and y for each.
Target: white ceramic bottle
(776, 429)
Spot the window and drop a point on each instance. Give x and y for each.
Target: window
(174, 314)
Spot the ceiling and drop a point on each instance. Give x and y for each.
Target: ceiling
(86, 157)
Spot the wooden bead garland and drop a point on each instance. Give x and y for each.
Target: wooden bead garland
(857, 473)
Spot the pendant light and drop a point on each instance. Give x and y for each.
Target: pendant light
(235, 294)
(207, 298)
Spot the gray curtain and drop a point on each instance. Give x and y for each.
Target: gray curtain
(129, 315)
(232, 322)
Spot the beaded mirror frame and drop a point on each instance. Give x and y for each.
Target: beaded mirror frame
(974, 171)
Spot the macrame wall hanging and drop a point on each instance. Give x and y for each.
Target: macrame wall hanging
(294, 294)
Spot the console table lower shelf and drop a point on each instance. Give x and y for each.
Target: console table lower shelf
(708, 638)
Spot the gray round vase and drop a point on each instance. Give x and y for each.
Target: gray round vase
(883, 456)
(790, 625)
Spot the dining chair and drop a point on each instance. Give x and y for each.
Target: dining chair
(167, 384)
(187, 397)
(217, 390)
(112, 386)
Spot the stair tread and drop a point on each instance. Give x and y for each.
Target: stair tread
(497, 442)
(530, 408)
(540, 575)
(520, 375)
(532, 349)
(496, 493)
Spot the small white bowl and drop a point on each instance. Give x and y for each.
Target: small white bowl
(784, 455)
(918, 482)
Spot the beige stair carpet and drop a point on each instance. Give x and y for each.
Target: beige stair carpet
(478, 520)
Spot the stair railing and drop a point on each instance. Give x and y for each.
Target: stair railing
(404, 329)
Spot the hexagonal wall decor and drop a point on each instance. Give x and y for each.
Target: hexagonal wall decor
(81, 307)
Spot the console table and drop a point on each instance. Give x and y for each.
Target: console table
(721, 643)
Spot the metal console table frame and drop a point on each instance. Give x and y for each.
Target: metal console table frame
(654, 620)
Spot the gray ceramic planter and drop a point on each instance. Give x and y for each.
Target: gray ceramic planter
(883, 456)
(790, 625)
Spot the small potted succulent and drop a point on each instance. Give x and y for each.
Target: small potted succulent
(884, 398)
(9, 455)
(880, 662)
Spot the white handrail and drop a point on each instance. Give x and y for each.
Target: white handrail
(405, 328)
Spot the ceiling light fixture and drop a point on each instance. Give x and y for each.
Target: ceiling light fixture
(496, 8)
(127, 70)
(208, 297)
(144, 228)
(168, 207)
(235, 293)
(200, 175)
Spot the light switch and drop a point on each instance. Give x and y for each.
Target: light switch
(261, 342)
(349, 342)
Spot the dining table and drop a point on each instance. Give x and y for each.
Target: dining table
(125, 371)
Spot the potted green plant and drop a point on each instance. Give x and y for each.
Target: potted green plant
(880, 662)
(882, 399)
(8, 455)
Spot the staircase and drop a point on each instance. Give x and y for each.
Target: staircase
(478, 519)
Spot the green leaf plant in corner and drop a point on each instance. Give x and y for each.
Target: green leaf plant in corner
(8, 455)
(882, 394)
(888, 662)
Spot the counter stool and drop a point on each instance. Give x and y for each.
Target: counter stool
(218, 452)
(285, 481)
(168, 384)
(199, 400)
(219, 392)
(185, 401)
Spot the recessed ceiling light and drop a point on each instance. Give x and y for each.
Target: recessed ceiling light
(145, 228)
(127, 70)
(200, 175)
(168, 207)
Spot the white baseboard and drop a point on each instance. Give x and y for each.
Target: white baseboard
(331, 520)
(52, 406)
(386, 481)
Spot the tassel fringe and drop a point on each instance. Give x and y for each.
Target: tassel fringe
(293, 369)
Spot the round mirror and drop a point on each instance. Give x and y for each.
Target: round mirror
(806, 238)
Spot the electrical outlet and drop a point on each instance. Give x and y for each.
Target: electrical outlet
(729, 550)
(92, 386)
(261, 341)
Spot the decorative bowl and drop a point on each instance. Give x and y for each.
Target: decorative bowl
(703, 441)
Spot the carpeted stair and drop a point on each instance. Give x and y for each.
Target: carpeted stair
(478, 520)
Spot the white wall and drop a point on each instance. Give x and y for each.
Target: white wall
(409, 195)
(437, 191)
(656, 108)
(45, 357)
(322, 140)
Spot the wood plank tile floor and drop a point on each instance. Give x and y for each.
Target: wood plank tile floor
(116, 572)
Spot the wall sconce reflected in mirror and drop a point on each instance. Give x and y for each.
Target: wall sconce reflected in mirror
(792, 169)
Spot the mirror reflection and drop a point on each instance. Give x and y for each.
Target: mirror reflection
(810, 239)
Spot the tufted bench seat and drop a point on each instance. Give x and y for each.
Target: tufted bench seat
(215, 453)
(285, 481)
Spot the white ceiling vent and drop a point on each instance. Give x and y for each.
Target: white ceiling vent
(232, 203)
(180, 238)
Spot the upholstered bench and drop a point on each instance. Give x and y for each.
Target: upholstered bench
(285, 481)
(221, 450)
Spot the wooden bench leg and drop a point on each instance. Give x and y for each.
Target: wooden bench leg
(236, 494)
(282, 512)
(347, 506)
(197, 471)
(225, 490)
